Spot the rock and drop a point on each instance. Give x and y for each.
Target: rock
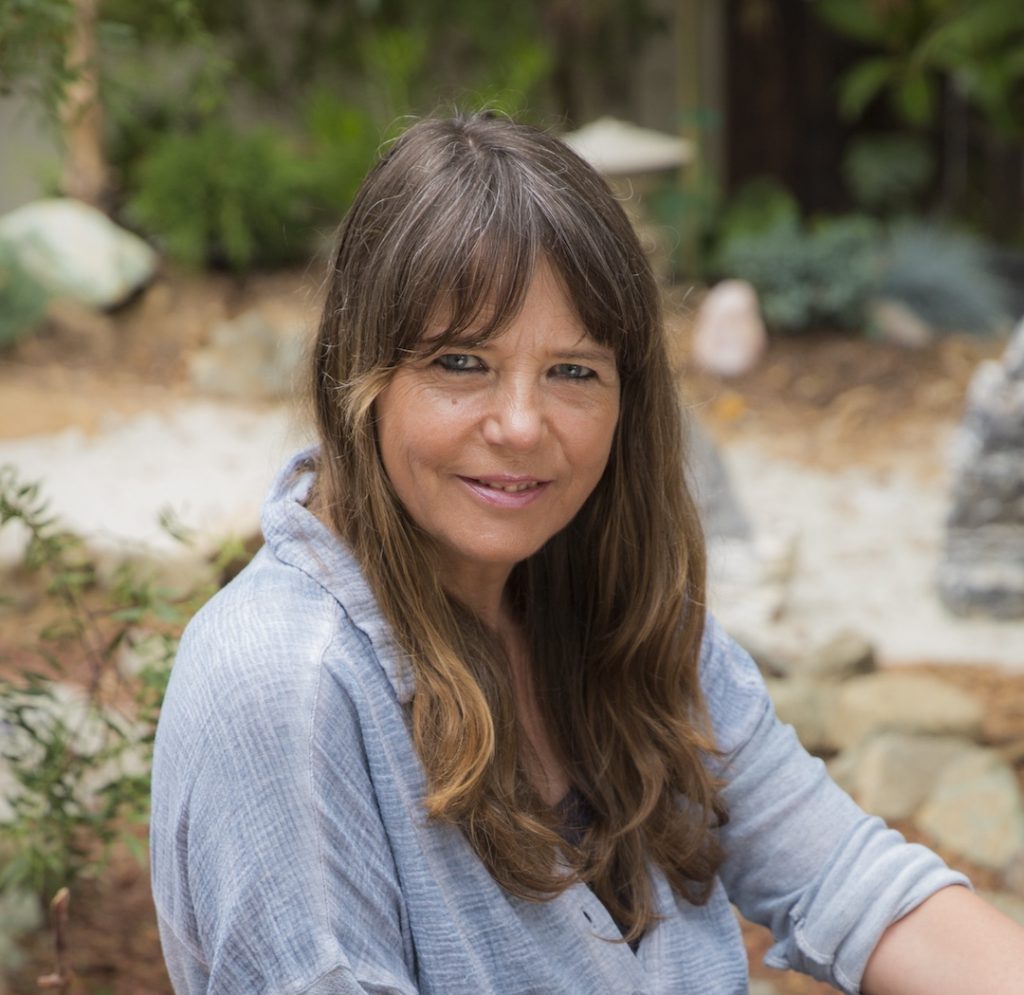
(1013, 874)
(982, 569)
(77, 252)
(903, 702)
(892, 321)
(748, 581)
(808, 708)
(892, 773)
(758, 986)
(785, 651)
(254, 356)
(844, 655)
(729, 334)
(976, 810)
(709, 482)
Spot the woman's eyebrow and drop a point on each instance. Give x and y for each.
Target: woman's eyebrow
(599, 355)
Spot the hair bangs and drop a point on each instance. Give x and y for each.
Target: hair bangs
(471, 276)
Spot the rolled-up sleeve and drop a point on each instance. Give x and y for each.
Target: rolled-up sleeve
(802, 858)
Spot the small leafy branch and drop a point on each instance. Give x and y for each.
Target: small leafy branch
(78, 758)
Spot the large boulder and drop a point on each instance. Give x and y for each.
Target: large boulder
(976, 809)
(892, 773)
(905, 703)
(77, 252)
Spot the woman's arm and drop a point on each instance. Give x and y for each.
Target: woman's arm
(954, 942)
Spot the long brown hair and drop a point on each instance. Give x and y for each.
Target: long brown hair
(453, 219)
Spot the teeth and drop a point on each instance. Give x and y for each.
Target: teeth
(512, 488)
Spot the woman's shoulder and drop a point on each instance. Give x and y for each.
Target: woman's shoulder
(267, 644)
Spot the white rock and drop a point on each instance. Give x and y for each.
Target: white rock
(903, 702)
(77, 252)
(976, 810)
(729, 334)
(892, 773)
(894, 322)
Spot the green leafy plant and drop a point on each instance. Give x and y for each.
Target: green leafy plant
(807, 277)
(225, 196)
(23, 299)
(77, 756)
(886, 174)
(915, 44)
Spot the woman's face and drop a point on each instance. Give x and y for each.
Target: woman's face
(493, 450)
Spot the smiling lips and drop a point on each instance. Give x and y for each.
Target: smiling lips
(506, 492)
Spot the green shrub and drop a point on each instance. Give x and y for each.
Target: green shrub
(821, 278)
(887, 173)
(22, 298)
(343, 144)
(944, 278)
(223, 196)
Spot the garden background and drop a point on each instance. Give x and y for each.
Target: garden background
(859, 164)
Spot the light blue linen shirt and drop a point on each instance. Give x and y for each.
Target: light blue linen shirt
(291, 853)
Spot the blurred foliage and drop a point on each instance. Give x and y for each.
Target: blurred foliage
(888, 174)
(22, 299)
(914, 44)
(807, 278)
(306, 90)
(33, 41)
(944, 277)
(78, 757)
(221, 196)
(826, 274)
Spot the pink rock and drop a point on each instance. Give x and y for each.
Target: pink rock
(729, 334)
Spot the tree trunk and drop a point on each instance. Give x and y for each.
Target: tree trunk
(81, 114)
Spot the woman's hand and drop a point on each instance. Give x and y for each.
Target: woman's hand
(952, 943)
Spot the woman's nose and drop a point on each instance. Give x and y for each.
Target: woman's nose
(515, 419)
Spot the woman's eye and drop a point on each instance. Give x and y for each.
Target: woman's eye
(573, 371)
(458, 362)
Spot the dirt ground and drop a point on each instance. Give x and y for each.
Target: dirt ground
(830, 401)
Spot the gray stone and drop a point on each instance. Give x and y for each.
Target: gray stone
(729, 336)
(252, 357)
(808, 707)
(902, 702)
(77, 252)
(982, 569)
(976, 810)
(709, 481)
(892, 773)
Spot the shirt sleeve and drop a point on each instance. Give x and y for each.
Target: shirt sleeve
(271, 869)
(801, 857)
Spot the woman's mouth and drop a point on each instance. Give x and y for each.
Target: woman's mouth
(507, 492)
(511, 488)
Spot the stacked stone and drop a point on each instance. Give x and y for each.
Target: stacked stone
(982, 571)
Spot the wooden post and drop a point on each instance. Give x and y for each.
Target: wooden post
(81, 114)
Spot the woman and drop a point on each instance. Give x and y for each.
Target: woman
(462, 725)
